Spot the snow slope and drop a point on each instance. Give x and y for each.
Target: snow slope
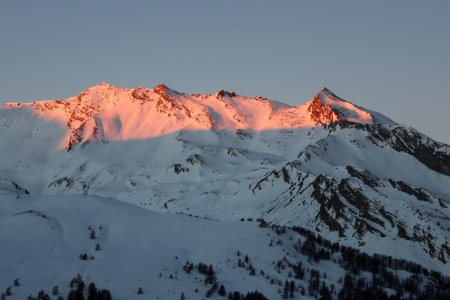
(44, 236)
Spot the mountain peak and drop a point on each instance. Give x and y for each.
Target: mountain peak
(326, 107)
(162, 89)
(327, 92)
(223, 93)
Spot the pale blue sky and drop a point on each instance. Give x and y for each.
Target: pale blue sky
(388, 56)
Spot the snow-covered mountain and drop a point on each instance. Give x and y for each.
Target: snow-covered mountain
(347, 173)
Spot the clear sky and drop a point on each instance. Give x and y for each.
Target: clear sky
(388, 56)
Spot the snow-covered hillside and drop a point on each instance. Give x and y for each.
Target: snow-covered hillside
(49, 240)
(347, 173)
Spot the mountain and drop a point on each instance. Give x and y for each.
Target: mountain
(352, 175)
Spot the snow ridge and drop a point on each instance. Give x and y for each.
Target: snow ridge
(140, 113)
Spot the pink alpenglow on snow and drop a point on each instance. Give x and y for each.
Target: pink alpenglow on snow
(108, 112)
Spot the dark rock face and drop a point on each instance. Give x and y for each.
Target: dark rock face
(68, 182)
(13, 186)
(141, 94)
(161, 89)
(335, 213)
(365, 176)
(378, 134)
(422, 148)
(223, 93)
(419, 193)
(194, 159)
(178, 168)
(322, 114)
(78, 135)
(434, 155)
(330, 203)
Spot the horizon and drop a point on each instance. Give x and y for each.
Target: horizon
(285, 52)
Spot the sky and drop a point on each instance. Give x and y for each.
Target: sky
(389, 56)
